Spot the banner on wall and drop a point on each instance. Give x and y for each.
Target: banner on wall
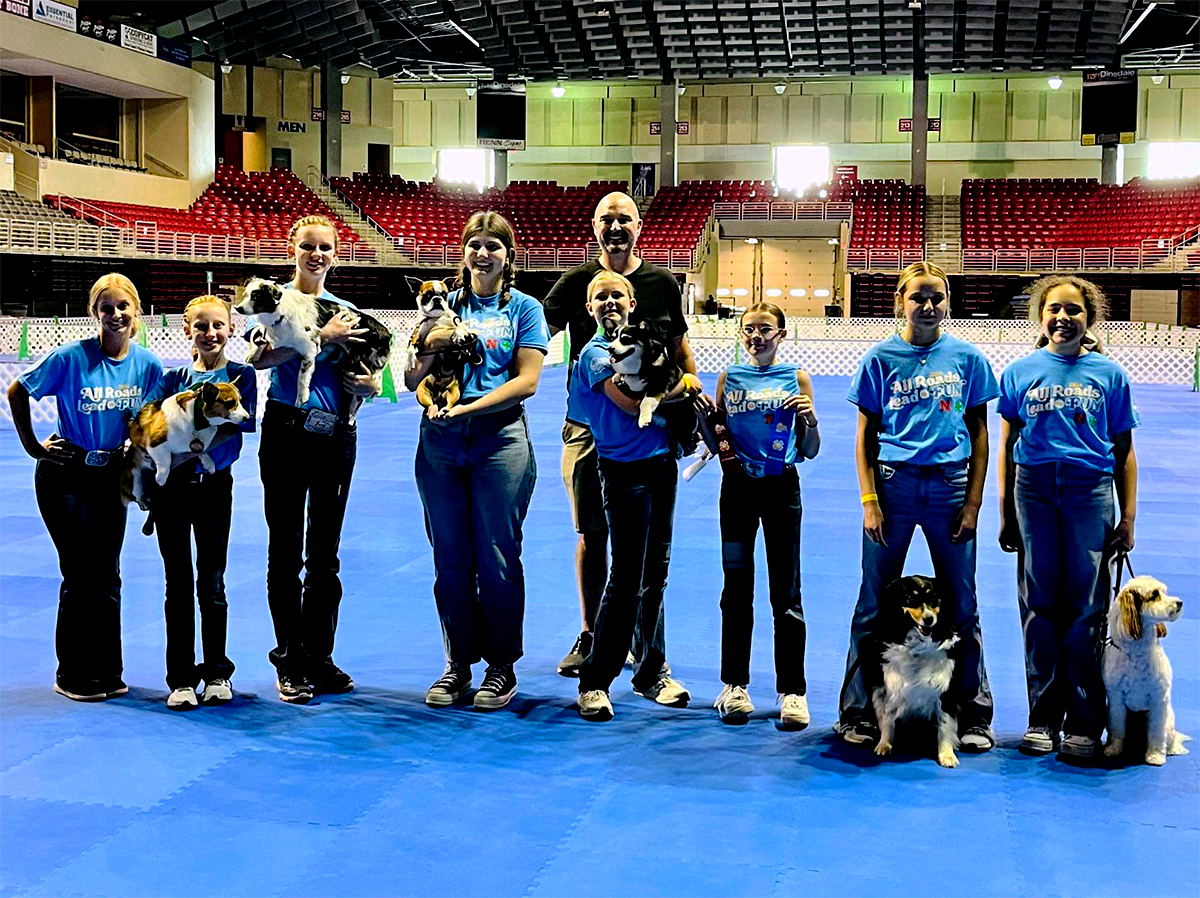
(22, 8)
(97, 30)
(1108, 108)
(500, 115)
(57, 14)
(174, 51)
(139, 41)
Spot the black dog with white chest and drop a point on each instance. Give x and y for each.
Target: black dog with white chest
(644, 369)
(908, 664)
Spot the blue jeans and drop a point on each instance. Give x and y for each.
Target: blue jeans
(929, 497)
(475, 476)
(639, 502)
(1065, 514)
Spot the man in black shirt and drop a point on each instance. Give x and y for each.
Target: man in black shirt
(616, 225)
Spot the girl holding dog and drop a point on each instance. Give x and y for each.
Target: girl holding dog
(921, 453)
(768, 409)
(97, 383)
(638, 477)
(1067, 420)
(306, 458)
(475, 471)
(193, 501)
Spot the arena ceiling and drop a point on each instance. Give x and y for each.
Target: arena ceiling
(547, 40)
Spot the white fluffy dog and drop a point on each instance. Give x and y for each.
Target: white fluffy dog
(1137, 673)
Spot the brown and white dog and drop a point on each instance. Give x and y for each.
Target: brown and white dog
(1137, 674)
(433, 310)
(184, 423)
(441, 333)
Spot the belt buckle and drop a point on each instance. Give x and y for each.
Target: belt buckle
(319, 421)
(97, 458)
(754, 469)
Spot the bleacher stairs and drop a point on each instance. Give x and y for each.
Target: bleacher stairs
(355, 220)
(943, 228)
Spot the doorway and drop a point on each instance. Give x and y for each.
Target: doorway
(379, 159)
(281, 157)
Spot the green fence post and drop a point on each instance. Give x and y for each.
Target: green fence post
(164, 321)
(1196, 371)
(23, 349)
(388, 390)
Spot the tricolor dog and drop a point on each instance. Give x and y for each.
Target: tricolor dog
(644, 367)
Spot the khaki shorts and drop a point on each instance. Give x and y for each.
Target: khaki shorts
(581, 476)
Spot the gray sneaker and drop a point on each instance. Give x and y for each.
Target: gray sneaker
(569, 665)
(1039, 741)
(667, 691)
(1077, 747)
(733, 704)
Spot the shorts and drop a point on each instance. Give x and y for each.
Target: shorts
(581, 476)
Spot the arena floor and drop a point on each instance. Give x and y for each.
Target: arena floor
(373, 793)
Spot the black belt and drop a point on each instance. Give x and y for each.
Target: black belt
(97, 458)
(312, 420)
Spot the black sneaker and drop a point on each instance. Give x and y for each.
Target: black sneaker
(328, 678)
(295, 689)
(450, 687)
(89, 691)
(569, 665)
(498, 688)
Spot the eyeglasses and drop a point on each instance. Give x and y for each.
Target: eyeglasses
(766, 331)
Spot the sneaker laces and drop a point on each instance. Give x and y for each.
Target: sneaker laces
(449, 679)
(496, 679)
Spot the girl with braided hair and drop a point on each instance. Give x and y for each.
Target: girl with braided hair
(475, 471)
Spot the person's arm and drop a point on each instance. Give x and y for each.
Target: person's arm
(523, 384)
(1006, 480)
(802, 405)
(631, 405)
(683, 355)
(963, 527)
(1125, 480)
(866, 451)
(54, 448)
(719, 398)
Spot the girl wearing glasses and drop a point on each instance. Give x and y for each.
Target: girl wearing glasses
(768, 409)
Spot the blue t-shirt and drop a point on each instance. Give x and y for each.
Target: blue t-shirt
(1070, 408)
(575, 410)
(96, 395)
(752, 396)
(176, 380)
(325, 391)
(520, 324)
(920, 394)
(615, 431)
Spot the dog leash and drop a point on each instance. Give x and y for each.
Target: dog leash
(1121, 560)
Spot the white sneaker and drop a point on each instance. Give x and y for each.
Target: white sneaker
(734, 703)
(182, 699)
(667, 691)
(793, 711)
(217, 691)
(595, 705)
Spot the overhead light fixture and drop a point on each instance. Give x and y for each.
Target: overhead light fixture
(740, 291)
(471, 89)
(832, 241)
(774, 291)
(799, 291)
(558, 90)
(345, 78)
(1055, 82)
(914, 4)
(682, 90)
(722, 291)
(462, 31)
(822, 193)
(958, 68)
(1149, 9)
(780, 87)
(752, 240)
(942, 246)
(1157, 79)
(821, 293)
(226, 68)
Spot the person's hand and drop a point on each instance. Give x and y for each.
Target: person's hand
(445, 415)
(1122, 537)
(802, 405)
(365, 384)
(57, 449)
(1010, 534)
(963, 528)
(704, 403)
(873, 523)
(340, 329)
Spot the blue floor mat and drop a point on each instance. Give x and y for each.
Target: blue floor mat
(373, 793)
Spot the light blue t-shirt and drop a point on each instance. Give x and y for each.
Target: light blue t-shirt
(1070, 407)
(325, 391)
(615, 431)
(752, 396)
(920, 394)
(185, 377)
(96, 395)
(502, 331)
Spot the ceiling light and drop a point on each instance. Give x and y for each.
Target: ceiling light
(752, 240)
(722, 291)
(1149, 9)
(823, 193)
(821, 293)
(470, 89)
(226, 68)
(740, 291)
(799, 291)
(558, 90)
(774, 291)
(1157, 79)
(941, 246)
(460, 30)
(682, 90)
(345, 78)
(780, 88)
(1055, 82)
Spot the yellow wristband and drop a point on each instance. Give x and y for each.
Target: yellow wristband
(870, 497)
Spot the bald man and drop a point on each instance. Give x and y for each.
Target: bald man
(617, 225)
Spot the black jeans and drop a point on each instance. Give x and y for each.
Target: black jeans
(200, 504)
(303, 470)
(85, 516)
(774, 500)
(639, 503)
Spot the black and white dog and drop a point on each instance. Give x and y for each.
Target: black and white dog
(908, 666)
(644, 369)
(294, 319)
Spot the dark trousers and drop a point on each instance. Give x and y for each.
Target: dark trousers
(1065, 513)
(304, 471)
(199, 504)
(476, 476)
(775, 501)
(85, 516)
(639, 503)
